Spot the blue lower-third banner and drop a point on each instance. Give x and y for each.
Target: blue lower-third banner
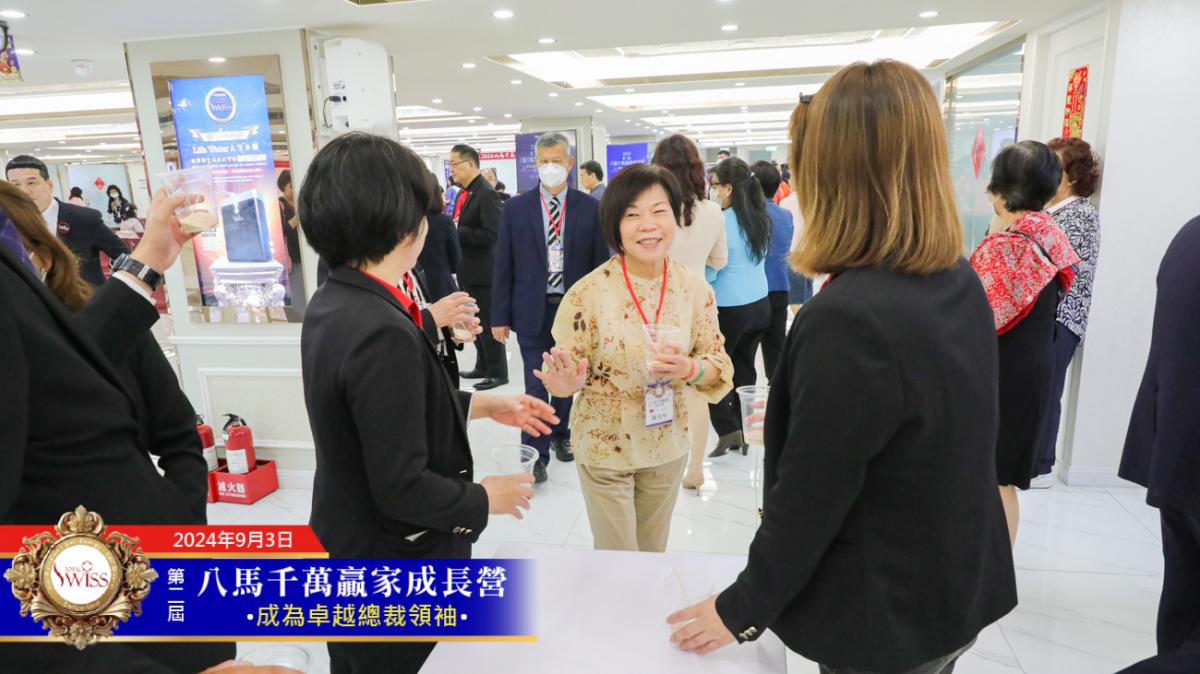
(320, 599)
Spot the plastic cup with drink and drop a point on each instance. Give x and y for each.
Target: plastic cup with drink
(658, 336)
(754, 412)
(514, 459)
(199, 212)
(462, 330)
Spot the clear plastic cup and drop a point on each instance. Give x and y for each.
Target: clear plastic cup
(656, 336)
(754, 412)
(199, 212)
(514, 459)
(292, 657)
(462, 331)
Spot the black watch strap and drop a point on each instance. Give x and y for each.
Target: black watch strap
(146, 274)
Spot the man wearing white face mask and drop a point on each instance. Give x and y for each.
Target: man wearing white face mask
(549, 239)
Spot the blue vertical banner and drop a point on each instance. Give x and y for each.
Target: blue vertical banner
(527, 176)
(222, 123)
(620, 156)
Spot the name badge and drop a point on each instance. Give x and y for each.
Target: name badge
(556, 258)
(660, 404)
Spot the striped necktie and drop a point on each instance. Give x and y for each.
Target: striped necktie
(556, 278)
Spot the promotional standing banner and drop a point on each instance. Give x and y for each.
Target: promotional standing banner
(620, 156)
(527, 177)
(222, 124)
(10, 65)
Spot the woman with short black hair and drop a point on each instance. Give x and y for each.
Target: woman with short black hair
(631, 464)
(741, 288)
(1025, 264)
(394, 464)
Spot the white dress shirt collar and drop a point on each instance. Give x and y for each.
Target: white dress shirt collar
(50, 215)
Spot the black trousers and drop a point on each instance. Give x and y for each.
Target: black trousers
(1065, 344)
(492, 360)
(532, 348)
(743, 327)
(942, 665)
(1179, 607)
(772, 343)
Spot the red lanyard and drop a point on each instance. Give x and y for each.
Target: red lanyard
(562, 214)
(662, 294)
(408, 285)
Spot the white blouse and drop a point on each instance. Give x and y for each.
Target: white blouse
(703, 243)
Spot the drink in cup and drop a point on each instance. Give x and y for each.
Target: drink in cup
(199, 212)
(657, 336)
(754, 412)
(462, 331)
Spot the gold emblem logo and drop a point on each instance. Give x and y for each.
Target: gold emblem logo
(79, 582)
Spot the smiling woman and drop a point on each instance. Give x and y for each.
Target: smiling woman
(632, 336)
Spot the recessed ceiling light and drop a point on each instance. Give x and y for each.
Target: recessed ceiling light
(468, 65)
(502, 14)
(628, 121)
(729, 27)
(62, 142)
(436, 101)
(507, 115)
(546, 40)
(666, 112)
(516, 82)
(630, 90)
(477, 109)
(470, 121)
(578, 103)
(598, 110)
(23, 52)
(739, 84)
(928, 14)
(12, 14)
(553, 94)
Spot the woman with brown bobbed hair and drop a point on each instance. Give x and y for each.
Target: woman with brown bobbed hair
(1075, 215)
(699, 243)
(883, 545)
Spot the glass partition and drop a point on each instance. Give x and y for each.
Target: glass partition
(982, 103)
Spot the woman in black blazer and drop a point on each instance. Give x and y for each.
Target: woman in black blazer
(394, 469)
(883, 546)
(440, 257)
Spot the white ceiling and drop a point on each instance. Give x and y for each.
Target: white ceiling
(430, 39)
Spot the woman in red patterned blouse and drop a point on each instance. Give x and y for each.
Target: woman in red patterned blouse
(1025, 264)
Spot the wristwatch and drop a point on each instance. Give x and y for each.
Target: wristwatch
(146, 274)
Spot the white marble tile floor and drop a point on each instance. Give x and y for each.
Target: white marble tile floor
(1089, 562)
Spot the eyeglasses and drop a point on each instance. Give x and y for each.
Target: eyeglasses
(460, 161)
(805, 99)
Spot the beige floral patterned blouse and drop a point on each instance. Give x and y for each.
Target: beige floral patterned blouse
(597, 320)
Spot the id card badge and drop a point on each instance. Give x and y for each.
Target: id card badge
(556, 258)
(660, 404)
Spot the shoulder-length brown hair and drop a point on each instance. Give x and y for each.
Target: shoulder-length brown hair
(871, 171)
(61, 265)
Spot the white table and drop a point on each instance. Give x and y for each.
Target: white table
(603, 612)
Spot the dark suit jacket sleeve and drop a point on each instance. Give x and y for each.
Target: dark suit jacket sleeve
(14, 400)
(386, 384)
(600, 250)
(103, 237)
(114, 313)
(502, 272)
(171, 424)
(483, 236)
(846, 397)
(453, 248)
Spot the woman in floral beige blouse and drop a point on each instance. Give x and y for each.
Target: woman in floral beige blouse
(631, 471)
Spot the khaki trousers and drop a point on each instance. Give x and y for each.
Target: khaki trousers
(631, 509)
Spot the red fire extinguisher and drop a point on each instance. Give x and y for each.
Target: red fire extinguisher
(239, 445)
(207, 442)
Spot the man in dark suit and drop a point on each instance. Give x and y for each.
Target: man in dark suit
(477, 213)
(71, 432)
(1162, 451)
(549, 239)
(82, 229)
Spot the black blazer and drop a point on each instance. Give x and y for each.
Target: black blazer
(1162, 446)
(883, 543)
(84, 232)
(71, 434)
(478, 227)
(447, 346)
(440, 257)
(522, 258)
(393, 459)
